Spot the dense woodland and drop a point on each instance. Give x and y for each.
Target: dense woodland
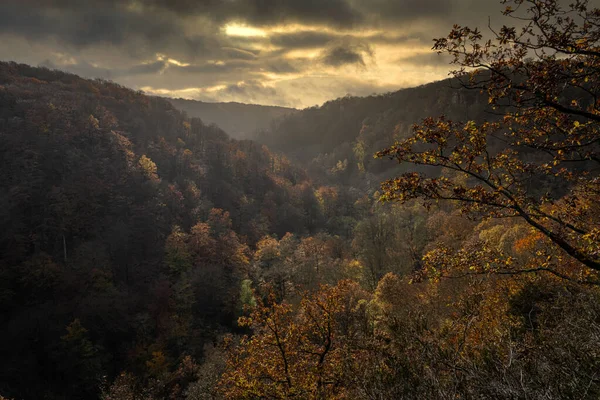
(101, 188)
(147, 255)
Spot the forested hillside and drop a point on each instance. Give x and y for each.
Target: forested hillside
(241, 121)
(434, 243)
(111, 202)
(337, 140)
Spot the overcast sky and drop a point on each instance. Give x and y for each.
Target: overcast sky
(295, 53)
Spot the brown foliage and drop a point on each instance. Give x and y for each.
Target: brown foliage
(549, 130)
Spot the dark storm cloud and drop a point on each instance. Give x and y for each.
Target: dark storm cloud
(340, 55)
(282, 67)
(83, 26)
(336, 12)
(403, 10)
(149, 68)
(339, 13)
(302, 39)
(249, 89)
(395, 39)
(227, 67)
(238, 67)
(347, 51)
(267, 12)
(238, 54)
(156, 25)
(177, 45)
(141, 34)
(428, 59)
(89, 70)
(185, 7)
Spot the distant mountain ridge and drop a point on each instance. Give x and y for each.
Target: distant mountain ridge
(239, 120)
(337, 140)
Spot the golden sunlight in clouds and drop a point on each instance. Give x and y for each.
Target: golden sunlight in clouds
(162, 57)
(183, 93)
(303, 54)
(293, 52)
(382, 66)
(243, 31)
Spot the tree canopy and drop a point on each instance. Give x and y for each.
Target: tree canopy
(540, 161)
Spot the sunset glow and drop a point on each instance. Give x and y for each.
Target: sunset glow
(243, 31)
(305, 53)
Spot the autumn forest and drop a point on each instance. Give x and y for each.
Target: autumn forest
(437, 242)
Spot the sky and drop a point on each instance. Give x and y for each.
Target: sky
(296, 53)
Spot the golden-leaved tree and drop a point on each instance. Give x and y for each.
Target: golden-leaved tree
(538, 162)
(308, 352)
